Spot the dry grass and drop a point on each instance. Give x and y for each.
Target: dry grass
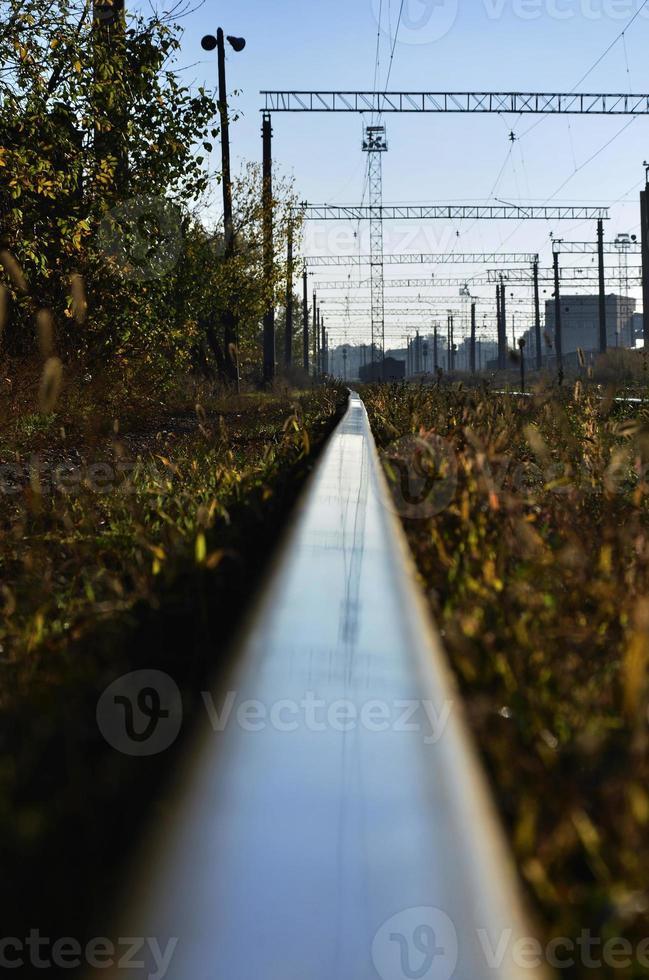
(538, 576)
(122, 549)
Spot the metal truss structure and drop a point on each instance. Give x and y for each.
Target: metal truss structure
(520, 103)
(338, 306)
(451, 212)
(522, 276)
(411, 311)
(565, 275)
(358, 284)
(427, 258)
(375, 145)
(590, 248)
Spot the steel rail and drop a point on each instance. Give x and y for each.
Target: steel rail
(301, 847)
(544, 103)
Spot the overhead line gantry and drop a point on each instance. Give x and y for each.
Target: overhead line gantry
(567, 275)
(427, 258)
(589, 248)
(519, 103)
(453, 212)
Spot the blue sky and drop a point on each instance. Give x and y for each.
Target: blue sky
(526, 45)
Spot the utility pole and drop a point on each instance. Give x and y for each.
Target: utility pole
(537, 316)
(318, 349)
(498, 322)
(644, 219)
(503, 323)
(435, 364)
(452, 321)
(288, 328)
(226, 179)
(229, 320)
(269, 316)
(448, 344)
(305, 319)
(501, 319)
(472, 355)
(521, 345)
(602, 288)
(315, 334)
(557, 315)
(324, 366)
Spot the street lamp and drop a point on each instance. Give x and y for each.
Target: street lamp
(209, 43)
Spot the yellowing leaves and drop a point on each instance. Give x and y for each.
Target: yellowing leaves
(636, 660)
(490, 576)
(200, 548)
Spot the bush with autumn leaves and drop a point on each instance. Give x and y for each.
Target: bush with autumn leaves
(103, 169)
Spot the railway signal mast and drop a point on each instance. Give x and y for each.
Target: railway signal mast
(375, 145)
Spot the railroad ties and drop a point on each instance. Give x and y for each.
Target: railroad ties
(333, 823)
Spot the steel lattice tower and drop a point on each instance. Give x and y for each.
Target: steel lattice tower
(375, 144)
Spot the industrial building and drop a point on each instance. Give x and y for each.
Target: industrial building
(580, 323)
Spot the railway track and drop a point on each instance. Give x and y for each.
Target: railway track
(334, 824)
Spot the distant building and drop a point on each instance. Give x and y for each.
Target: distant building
(637, 321)
(580, 323)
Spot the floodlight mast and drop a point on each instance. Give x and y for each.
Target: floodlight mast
(375, 145)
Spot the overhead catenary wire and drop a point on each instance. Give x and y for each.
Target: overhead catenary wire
(589, 71)
(595, 64)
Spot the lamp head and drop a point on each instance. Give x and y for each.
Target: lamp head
(238, 43)
(208, 43)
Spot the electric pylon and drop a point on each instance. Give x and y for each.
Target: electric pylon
(375, 144)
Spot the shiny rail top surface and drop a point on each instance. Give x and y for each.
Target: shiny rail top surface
(338, 829)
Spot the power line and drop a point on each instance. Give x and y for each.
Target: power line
(612, 44)
(597, 62)
(394, 44)
(593, 157)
